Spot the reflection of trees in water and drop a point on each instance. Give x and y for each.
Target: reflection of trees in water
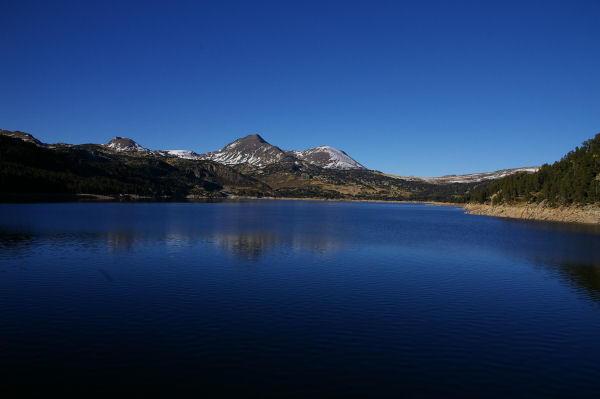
(15, 240)
(585, 278)
(573, 259)
(16, 244)
(21, 244)
(252, 246)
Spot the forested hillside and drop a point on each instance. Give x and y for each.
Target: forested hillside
(575, 179)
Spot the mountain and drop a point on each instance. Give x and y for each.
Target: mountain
(123, 169)
(120, 144)
(328, 157)
(252, 150)
(249, 166)
(255, 151)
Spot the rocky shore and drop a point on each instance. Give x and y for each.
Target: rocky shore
(589, 214)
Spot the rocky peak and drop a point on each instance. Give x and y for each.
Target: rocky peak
(252, 138)
(125, 144)
(252, 150)
(248, 142)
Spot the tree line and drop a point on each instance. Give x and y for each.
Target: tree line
(575, 179)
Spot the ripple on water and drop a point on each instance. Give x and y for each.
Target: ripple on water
(297, 298)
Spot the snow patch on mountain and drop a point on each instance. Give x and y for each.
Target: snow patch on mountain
(328, 157)
(185, 154)
(252, 150)
(234, 158)
(470, 178)
(255, 151)
(123, 144)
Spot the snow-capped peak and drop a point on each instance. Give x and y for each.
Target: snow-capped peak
(124, 144)
(328, 157)
(252, 150)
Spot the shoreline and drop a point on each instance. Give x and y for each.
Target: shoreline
(584, 214)
(83, 197)
(435, 203)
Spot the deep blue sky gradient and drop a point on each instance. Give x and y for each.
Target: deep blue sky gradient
(418, 87)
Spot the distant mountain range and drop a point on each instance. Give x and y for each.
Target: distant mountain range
(256, 152)
(470, 178)
(248, 166)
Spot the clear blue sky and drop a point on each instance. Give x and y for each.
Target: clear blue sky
(418, 87)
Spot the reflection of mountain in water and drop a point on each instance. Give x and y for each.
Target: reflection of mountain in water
(247, 245)
(250, 231)
(120, 242)
(252, 246)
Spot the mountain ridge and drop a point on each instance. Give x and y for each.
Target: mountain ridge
(252, 150)
(255, 151)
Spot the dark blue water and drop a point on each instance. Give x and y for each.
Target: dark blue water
(296, 298)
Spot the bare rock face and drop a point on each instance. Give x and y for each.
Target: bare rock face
(123, 144)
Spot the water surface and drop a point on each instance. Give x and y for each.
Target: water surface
(296, 298)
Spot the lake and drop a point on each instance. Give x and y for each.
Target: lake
(296, 298)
